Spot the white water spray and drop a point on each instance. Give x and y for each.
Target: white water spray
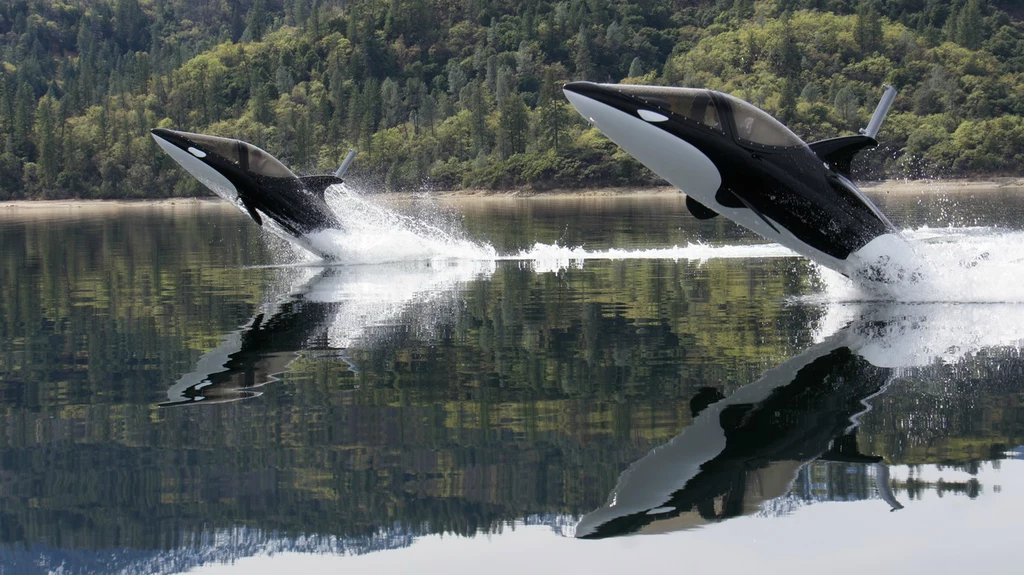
(965, 264)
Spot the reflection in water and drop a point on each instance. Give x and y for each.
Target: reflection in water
(480, 397)
(746, 449)
(329, 312)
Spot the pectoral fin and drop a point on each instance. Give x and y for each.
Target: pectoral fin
(252, 211)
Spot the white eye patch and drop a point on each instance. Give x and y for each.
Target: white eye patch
(651, 116)
(197, 153)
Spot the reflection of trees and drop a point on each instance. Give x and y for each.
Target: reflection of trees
(531, 399)
(952, 413)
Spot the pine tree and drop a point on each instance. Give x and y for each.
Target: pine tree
(786, 54)
(583, 59)
(478, 121)
(24, 119)
(636, 69)
(553, 116)
(391, 103)
(867, 30)
(513, 125)
(46, 140)
(970, 25)
(256, 20)
(787, 100)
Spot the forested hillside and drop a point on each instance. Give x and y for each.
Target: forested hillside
(465, 93)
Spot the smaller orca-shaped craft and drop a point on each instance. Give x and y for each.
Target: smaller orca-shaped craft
(258, 183)
(732, 158)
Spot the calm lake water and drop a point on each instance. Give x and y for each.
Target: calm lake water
(618, 387)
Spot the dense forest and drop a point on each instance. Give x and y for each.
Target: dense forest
(450, 94)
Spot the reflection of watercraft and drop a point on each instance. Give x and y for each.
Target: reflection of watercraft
(257, 182)
(733, 159)
(329, 312)
(744, 450)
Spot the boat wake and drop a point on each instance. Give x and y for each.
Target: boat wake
(964, 264)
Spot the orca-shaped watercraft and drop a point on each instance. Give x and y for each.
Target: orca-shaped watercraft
(258, 183)
(732, 158)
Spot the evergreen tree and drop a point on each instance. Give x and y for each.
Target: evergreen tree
(970, 25)
(867, 31)
(635, 69)
(478, 119)
(391, 103)
(785, 53)
(256, 20)
(583, 58)
(513, 125)
(46, 140)
(787, 100)
(24, 118)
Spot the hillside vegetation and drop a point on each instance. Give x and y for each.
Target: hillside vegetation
(450, 94)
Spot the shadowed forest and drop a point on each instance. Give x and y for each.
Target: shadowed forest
(444, 94)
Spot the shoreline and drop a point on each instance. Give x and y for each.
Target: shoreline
(901, 187)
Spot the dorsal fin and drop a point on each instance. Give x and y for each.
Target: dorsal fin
(319, 184)
(839, 152)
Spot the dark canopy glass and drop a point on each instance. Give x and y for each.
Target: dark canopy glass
(264, 164)
(756, 126)
(255, 160)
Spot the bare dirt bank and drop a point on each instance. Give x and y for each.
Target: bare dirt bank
(958, 186)
(106, 205)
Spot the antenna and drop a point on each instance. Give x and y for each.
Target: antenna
(880, 112)
(345, 164)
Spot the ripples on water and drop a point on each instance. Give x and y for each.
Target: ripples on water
(501, 370)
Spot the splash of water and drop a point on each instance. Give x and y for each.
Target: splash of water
(962, 264)
(375, 234)
(965, 265)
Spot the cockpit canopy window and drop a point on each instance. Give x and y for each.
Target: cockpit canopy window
(758, 127)
(255, 160)
(689, 103)
(264, 164)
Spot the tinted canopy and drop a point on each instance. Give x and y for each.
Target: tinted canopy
(264, 164)
(690, 103)
(754, 125)
(242, 154)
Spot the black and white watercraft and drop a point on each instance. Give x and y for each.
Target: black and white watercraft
(732, 158)
(258, 183)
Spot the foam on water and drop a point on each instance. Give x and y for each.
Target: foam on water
(553, 257)
(375, 234)
(966, 265)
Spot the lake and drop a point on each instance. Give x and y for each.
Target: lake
(550, 384)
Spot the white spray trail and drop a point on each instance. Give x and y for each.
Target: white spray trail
(965, 264)
(374, 234)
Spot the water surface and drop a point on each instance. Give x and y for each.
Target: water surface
(173, 398)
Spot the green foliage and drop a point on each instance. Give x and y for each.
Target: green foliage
(435, 94)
